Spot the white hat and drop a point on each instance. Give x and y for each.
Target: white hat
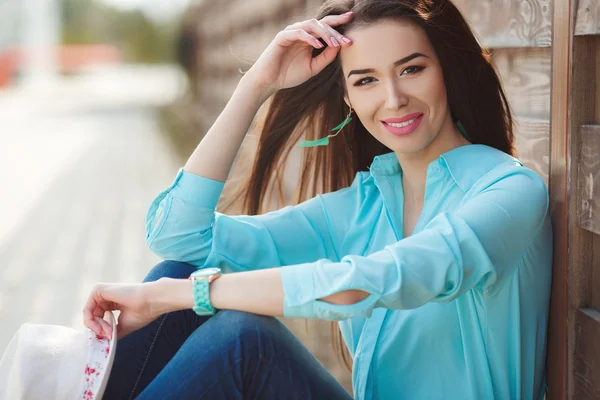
(56, 362)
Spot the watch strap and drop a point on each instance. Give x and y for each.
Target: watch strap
(200, 290)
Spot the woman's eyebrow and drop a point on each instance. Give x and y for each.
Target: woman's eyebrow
(399, 62)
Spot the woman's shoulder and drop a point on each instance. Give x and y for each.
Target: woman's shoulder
(476, 167)
(509, 179)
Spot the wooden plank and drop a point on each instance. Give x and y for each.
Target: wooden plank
(588, 215)
(510, 23)
(556, 363)
(588, 18)
(532, 137)
(587, 355)
(526, 78)
(581, 254)
(594, 271)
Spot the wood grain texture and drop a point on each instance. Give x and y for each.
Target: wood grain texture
(587, 355)
(526, 78)
(582, 252)
(587, 20)
(510, 23)
(562, 63)
(533, 145)
(594, 277)
(588, 188)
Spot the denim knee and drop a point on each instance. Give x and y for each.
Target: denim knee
(170, 269)
(246, 327)
(240, 320)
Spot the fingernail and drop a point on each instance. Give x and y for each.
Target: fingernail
(318, 42)
(345, 39)
(349, 13)
(334, 42)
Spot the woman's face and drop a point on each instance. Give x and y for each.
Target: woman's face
(395, 85)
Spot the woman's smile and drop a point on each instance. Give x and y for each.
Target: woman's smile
(402, 126)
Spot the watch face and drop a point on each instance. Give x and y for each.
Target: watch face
(206, 272)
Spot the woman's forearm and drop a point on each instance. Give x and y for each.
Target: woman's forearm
(257, 292)
(214, 156)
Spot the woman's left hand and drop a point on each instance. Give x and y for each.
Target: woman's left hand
(131, 299)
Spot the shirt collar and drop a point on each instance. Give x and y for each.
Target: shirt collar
(465, 164)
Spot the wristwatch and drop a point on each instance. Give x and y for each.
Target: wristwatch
(200, 284)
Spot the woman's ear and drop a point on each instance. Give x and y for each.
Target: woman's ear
(347, 100)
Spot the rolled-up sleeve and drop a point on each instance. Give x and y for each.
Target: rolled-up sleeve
(182, 225)
(480, 243)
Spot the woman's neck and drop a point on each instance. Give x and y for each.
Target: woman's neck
(414, 165)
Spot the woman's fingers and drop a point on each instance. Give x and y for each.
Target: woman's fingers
(339, 19)
(323, 29)
(93, 313)
(89, 317)
(333, 37)
(318, 29)
(106, 329)
(289, 37)
(287, 62)
(319, 62)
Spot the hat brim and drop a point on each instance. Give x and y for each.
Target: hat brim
(110, 318)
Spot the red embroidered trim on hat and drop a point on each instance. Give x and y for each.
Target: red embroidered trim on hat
(99, 351)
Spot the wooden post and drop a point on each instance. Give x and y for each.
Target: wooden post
(562, 42)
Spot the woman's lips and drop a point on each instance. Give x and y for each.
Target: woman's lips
(404, 130)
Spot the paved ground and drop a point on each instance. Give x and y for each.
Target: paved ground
(79, 164)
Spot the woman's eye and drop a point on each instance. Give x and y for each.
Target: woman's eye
(362, 81)
(413, 69)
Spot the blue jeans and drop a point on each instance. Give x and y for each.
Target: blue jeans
(231, 355)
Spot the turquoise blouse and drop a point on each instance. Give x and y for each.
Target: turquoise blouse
(457, 310)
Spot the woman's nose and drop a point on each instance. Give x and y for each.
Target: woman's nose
(395, 97)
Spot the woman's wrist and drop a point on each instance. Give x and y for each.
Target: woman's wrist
(254, 88)
(168, 295)
(258, 292)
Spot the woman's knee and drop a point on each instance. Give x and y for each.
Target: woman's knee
(247, 327)
(170, 269)
(250, 337)
(241, 319)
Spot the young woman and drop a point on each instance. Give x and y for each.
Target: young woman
(431, 246)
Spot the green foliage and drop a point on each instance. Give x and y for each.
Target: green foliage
(139, 38)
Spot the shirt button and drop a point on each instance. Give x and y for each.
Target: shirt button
(436, 169)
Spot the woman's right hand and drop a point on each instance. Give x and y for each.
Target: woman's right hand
(131, 299)
(288, 61)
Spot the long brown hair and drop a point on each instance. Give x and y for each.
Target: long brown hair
(310, 110)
